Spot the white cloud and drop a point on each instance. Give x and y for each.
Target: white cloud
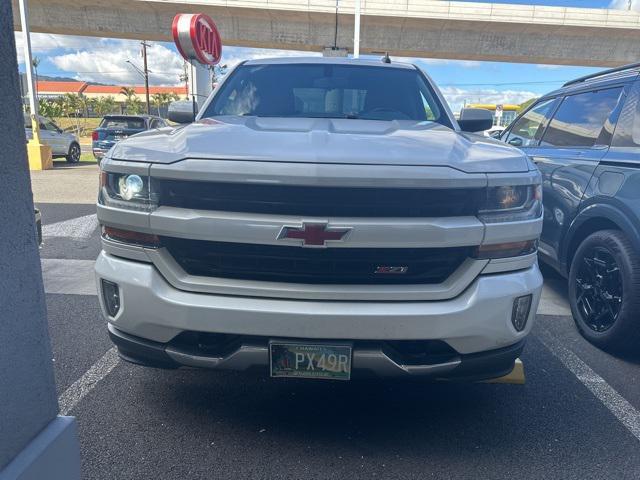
(457, 97)
(107, 63)
(624, 4)
(543, 66)
(44, 43)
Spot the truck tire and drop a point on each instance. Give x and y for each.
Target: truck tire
(604, 291)
(74, 153)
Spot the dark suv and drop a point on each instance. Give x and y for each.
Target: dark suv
(585, 139)
(117, 127)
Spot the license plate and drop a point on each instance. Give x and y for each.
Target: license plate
(316, 360)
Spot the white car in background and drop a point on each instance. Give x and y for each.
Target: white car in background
(63, 144)
(494, 132)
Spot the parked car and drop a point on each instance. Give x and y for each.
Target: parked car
(321, 216)
(113, 128)
(63, 144)
(585, 140)
(494, 132)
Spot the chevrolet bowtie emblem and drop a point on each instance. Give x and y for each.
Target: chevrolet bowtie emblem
(314, 234)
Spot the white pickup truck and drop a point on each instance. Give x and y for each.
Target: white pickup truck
(321, 218)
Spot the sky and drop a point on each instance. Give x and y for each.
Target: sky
(105, 60)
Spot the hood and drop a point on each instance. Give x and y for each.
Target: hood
(313, 140)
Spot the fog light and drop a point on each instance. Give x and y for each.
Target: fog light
(520, 314)
(111, 297)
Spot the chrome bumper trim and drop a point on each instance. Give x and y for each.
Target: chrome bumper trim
(247, 356)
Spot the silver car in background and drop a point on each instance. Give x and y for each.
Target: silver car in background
(63, 144)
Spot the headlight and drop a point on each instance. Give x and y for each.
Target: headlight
(130, 186)
(512, 204)
(127, 191)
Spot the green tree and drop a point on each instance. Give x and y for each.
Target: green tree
(104, 105)
(159, 100)
(134, 106)
(50, 107)
(525, 105)
(71, 104)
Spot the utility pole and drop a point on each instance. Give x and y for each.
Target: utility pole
(146, 74)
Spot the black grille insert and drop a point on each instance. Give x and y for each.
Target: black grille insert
(315, 266)
(320, 201)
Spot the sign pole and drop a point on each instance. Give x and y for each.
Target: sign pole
(356, 32)
(39, 154)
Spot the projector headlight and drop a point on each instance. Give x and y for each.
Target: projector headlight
(127, 191)
(129, 186)
(512, 204)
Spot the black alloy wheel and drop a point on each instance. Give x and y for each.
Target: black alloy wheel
(604, 291)
(74, 153)
(599, 289)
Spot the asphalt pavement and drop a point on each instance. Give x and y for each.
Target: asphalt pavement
(575, 418)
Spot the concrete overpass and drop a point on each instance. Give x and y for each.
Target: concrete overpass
(415, 28)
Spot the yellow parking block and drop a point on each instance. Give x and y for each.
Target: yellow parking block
(516, 377)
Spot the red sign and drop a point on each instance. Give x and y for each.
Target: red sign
(313, 234)
(197, 38)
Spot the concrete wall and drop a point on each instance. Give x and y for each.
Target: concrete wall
(416, 28)
(28, 402)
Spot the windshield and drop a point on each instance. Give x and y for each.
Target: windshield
(123, 123)
(327, 91)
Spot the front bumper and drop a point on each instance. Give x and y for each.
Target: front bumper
(369, 360)
(477, 320)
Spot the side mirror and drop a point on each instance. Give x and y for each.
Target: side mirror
(515, 141)
(183, 111)
(475, 119)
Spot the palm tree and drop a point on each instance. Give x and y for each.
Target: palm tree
(132, 103)
(35, 62)
(72, 107)
(159, 100)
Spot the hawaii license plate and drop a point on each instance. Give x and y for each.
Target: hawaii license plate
(310, 360)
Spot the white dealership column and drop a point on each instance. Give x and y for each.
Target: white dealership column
(201, 83)
(35, 442)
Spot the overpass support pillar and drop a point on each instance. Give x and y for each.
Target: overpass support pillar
(35, 442)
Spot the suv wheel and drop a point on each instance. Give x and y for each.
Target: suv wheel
(604, 291)
(74, 153)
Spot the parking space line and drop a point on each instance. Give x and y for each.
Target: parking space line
(68, 276)
(79, 228)
(87, 382)
(610, 398)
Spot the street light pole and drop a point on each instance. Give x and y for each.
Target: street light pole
(39, 154)
(146, 75)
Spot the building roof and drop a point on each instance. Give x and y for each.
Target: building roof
(46, 86)
(139, 90)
